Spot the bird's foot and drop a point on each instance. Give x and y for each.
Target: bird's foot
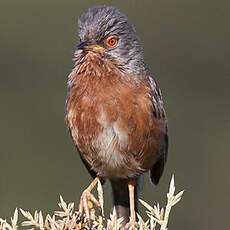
(87, 202)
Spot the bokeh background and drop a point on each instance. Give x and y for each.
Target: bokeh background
(186, 46)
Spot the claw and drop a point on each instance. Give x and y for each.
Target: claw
(88, 200)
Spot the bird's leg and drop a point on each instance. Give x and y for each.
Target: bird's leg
(87, 198)
(131, 186)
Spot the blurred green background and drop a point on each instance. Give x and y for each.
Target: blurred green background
(186, 46)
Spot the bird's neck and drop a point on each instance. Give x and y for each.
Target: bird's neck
(94, 64)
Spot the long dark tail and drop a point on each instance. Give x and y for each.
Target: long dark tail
(121, 198)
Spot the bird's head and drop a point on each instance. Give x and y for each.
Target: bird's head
(105, 31)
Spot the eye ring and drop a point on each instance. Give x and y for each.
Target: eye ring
(111, 41)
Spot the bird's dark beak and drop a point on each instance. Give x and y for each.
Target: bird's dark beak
(90, 47)
(82, 45)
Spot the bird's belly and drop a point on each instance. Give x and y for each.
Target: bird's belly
(112, 159)
(114, 130)
(115, 146)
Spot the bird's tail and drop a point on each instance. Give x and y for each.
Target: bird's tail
(121, 198)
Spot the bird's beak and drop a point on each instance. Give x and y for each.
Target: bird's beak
(96, 48)
(90, 47)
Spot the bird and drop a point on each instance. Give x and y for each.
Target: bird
(114, 110)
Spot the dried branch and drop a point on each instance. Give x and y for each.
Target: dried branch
(68, 218)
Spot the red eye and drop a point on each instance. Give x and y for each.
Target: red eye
(111, 41)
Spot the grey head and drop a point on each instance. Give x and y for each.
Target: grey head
(101, 22)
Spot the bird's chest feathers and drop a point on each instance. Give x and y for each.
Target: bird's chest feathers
(94, 108)
(106, 115)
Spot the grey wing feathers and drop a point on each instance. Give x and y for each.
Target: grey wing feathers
(157, 99)
(158, 168)
(159, 112)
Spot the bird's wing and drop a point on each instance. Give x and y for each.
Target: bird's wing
(159, 113)
(157, 100)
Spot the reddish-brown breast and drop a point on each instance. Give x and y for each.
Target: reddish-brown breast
(111, 119)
